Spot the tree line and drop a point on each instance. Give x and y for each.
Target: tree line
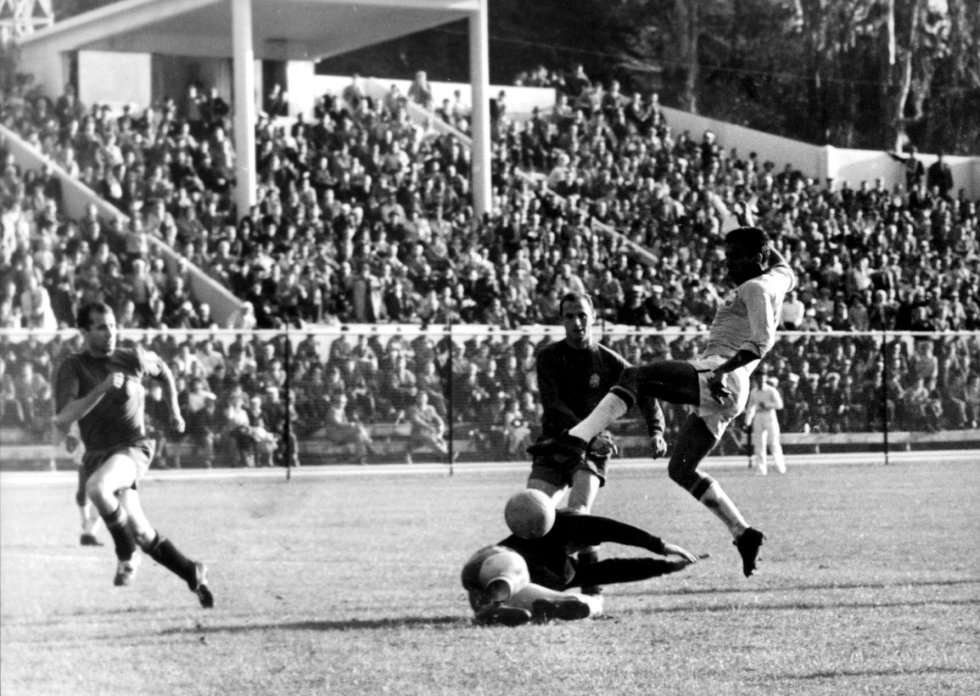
(876, 74)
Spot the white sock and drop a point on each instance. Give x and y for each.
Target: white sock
(90, 518)
(716, 500)
(610, 409)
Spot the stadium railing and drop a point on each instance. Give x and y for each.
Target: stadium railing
(348, 394)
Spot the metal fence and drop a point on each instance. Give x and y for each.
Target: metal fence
(390, 393)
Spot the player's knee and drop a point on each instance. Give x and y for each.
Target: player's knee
(145, 538)
(682, 469)
(98, 490)
(629, 379)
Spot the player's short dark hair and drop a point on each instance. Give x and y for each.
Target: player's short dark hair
(753, 240)
(574, 297)
(83, 320)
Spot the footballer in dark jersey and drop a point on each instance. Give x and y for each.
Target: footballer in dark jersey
(101, 388)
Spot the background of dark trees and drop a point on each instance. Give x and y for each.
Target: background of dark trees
(850, 73)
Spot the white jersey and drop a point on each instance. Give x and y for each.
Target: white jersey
(764, 401)
(748, 318)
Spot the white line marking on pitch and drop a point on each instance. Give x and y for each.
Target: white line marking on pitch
(33, 478)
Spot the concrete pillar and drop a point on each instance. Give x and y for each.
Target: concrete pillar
(480, 85)
(243, 67)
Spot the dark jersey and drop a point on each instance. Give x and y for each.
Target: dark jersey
(549, 558)
(572, 382)
(118, 418)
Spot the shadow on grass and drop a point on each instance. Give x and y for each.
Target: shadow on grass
(876, 673)
(755, 589)
(350, 625)
(807, 606)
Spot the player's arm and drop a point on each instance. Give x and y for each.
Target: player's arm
(653, 414)
(776, 258)
(70, 406)
(160, 371)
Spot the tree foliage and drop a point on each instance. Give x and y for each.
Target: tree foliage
(851, 73)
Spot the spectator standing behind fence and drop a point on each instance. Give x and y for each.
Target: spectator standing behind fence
(971, 397)
(341, 431)
(762, 424)
(420, 91)
(428, 427)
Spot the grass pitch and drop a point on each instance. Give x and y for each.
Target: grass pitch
(349, 584)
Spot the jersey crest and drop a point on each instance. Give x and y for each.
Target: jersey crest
(594, 380)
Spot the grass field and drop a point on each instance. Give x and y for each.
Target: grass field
(349, 584)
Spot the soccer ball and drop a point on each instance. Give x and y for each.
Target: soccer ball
(529, 514)
(496, 570)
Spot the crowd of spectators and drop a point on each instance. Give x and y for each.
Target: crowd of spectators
(365, 217)
(345, 387)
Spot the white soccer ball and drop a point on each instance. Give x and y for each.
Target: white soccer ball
(529, 514)
(497, 570)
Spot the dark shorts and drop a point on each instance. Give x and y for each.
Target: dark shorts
(559, 470)
(141, 452)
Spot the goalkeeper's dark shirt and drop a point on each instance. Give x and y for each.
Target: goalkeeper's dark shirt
(118, 419)
(573, 381)
(548, 558)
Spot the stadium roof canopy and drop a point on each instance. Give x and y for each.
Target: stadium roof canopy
(281, 29)
(248, 30)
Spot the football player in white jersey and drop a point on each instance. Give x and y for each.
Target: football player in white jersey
(716, 382)
(763, 425)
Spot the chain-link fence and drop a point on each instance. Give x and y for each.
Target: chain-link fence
(385, 393)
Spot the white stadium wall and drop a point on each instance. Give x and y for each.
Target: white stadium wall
(118, 78)
(305, 87)
(810, 159)
(109, 77)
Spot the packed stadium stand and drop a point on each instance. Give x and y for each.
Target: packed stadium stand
(365, 217)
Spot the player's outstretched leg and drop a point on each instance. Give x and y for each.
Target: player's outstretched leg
(87, 511)
(748, 545)
(194, 573)
(693, 445)
(117, 524)
(90, 518)
(164, 552)
(588, 557)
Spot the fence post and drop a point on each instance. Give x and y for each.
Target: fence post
(884, 391)
(288, 384)
(450, 416)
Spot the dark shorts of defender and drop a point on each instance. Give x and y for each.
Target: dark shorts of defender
(141, 452)
(559, 469)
